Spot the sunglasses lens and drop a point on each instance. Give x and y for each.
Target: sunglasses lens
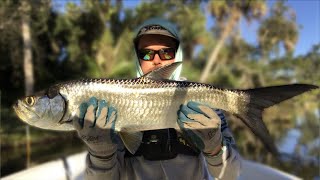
(167, 54)
(146, 54)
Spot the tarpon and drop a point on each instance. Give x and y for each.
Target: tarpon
(151, 102)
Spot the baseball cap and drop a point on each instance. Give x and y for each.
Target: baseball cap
(154, 29)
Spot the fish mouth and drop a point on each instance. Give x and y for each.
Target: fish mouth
(18, 112)
(22, 112)
(69, 121)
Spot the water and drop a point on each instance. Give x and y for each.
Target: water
(297, 155)
(290, 141)
(14, 159)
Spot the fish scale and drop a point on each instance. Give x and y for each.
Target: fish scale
(151, 102)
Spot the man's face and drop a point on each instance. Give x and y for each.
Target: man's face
(155, 42)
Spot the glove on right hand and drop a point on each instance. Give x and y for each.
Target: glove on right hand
(202, 125)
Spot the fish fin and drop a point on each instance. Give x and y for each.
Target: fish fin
(261, 98)
(131, 139)
(163, 72)
(268, 96)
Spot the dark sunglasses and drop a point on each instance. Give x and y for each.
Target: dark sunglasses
(164, 54)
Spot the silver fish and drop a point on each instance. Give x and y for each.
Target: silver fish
(151, 102)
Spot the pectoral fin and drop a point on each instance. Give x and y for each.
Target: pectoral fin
(131, 139)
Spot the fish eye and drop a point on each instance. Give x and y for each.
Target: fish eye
(29, 100)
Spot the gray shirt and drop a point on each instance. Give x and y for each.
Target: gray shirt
(225, 165)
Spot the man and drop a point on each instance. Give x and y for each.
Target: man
(203, 148)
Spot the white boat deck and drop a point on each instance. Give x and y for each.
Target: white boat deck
(72, 168)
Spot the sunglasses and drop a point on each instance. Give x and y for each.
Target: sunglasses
(164, 54)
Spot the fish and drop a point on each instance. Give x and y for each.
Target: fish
(151, 102)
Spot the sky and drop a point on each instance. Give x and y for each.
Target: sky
(308, 19)
(308, 16)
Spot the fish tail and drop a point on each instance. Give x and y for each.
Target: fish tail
(262, 98)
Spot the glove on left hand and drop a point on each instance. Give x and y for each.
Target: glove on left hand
(201, 125)
(95, 126)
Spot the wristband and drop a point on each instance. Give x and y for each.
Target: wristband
(223, 149)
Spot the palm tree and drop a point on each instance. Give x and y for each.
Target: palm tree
(189, 17)
(279, 28)
(27, 61)
(227, 15)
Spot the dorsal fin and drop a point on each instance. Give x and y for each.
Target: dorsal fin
(163, 72)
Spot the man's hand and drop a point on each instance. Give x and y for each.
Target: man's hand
(201, 124)
(95, 125)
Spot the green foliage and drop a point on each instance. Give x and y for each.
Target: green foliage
(280, 27)
(185, 15)
(250, 9)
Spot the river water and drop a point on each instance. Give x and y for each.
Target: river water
(14, 159)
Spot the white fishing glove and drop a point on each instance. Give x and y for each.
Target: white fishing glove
(201, 125)
(95, 125)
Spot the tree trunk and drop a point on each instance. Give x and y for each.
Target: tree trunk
(228, 27)
(27, 64)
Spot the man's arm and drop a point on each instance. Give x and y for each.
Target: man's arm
(225, 164)
(102, 168)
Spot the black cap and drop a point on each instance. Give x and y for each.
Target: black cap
(154, 29)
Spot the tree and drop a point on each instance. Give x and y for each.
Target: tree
(191, 21)
(227, 15)
(279, 28)
(25, 9)
(27, 47)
